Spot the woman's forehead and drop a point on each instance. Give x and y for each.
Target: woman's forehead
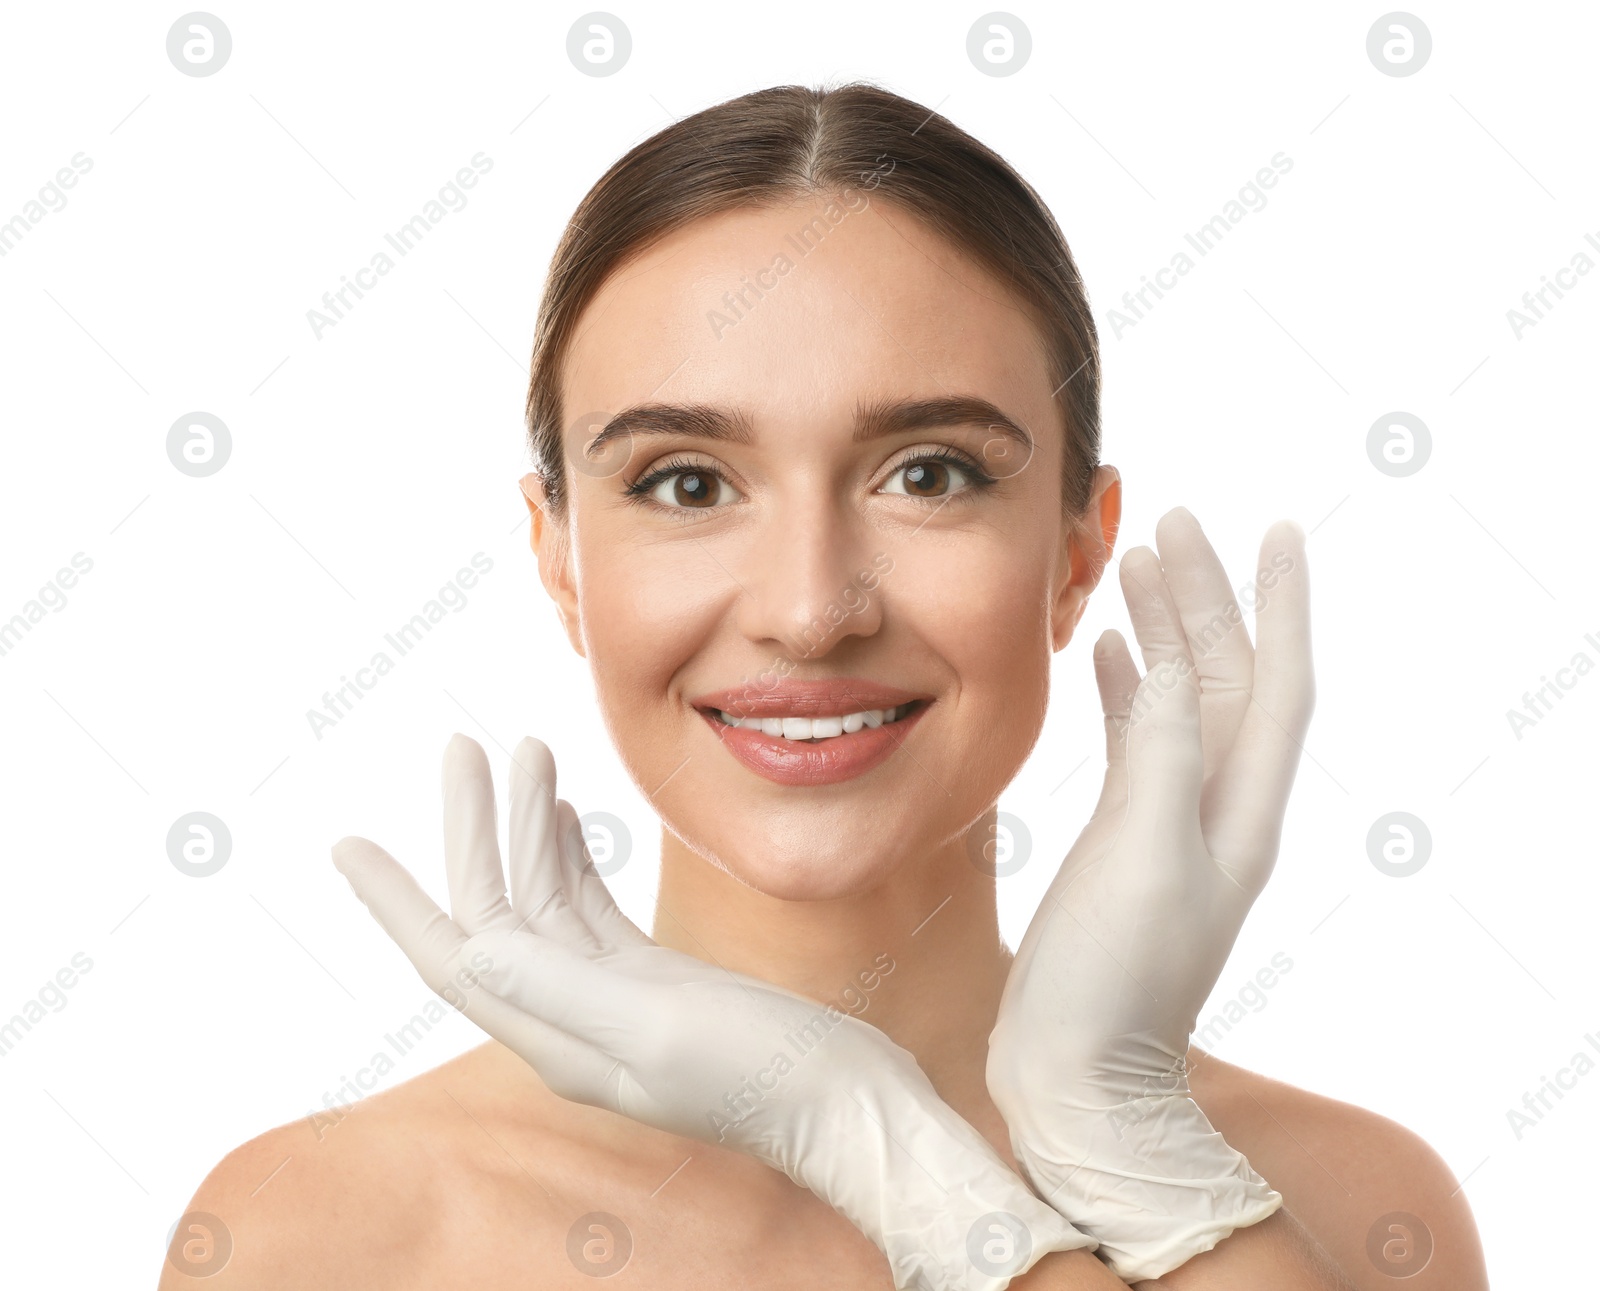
(800, 307)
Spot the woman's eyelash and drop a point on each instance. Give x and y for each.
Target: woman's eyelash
(647, 483)
(979, 477)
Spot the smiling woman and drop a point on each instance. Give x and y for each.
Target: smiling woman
(819, 564)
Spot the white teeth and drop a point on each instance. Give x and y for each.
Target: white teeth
(817, 728)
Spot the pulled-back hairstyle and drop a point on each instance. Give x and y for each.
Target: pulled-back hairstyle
(777, 145)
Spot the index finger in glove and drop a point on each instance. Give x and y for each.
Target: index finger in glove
(430, 939)
(452, 964)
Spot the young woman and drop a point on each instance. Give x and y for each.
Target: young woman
(841, 503)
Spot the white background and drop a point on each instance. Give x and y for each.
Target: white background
(370, 464)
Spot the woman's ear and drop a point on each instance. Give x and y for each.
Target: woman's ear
(552, 544)
(1089, 544)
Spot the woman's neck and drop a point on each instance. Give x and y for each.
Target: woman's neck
(920, 957)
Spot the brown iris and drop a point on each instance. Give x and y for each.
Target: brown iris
(693, 489)
(927, 479)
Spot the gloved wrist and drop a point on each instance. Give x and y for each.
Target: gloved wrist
(947, 1212)
(1140, 1169)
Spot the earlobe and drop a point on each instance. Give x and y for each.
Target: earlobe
(552, 545)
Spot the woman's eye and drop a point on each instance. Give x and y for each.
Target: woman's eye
(928, 478)
(693, 490)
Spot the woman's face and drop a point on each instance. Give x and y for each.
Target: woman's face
(831, 509)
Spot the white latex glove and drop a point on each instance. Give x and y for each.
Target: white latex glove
(607, 1017)
(1087, 1057)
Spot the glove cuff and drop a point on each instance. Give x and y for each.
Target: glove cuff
(1149, 1178)
(915, 1177)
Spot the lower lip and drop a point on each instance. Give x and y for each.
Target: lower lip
(830, 761)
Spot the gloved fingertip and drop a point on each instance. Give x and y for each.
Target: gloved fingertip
(346, 852)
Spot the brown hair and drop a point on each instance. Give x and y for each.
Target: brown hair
(790, 141)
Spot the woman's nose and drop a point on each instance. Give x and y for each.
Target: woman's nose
(810, 580)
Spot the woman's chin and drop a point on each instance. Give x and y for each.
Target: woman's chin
(810, 874)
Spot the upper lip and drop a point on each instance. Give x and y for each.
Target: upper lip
(830, 697)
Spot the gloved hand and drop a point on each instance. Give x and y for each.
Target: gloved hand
(607, 1017)
(1087, 1057)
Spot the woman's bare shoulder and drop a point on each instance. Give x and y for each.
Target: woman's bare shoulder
(1381, 1201)
(376, 1194)
(475, 1175)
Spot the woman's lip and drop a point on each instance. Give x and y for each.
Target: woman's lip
(829, 761)
(827, 697)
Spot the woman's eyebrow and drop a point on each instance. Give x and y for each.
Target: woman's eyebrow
(872, 420)
(892, 416)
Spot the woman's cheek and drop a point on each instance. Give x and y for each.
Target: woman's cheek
(984, 610)
(648, 606)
